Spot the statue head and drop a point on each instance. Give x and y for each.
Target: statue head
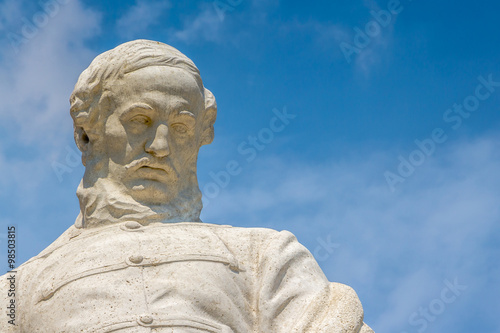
(140, 115)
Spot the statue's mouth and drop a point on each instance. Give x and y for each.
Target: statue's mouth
(147, 167)
(163, 174)
(153, 168)
(147, 163)
(150, 167)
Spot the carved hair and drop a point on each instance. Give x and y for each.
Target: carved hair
(114, 64)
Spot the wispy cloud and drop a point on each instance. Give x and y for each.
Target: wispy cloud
(224, 21)
(141, 16)
(35, 87)
(350, 46)
(362, 46)
(206, 25)
(38, 79)
(395, 248)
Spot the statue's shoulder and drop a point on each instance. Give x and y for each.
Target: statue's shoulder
(232, 230)
(251, 237)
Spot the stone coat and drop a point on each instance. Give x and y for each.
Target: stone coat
(182, 278)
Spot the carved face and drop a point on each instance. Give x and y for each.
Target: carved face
(152, 137)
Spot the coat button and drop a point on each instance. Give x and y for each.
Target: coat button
(133, 225)
(136, 259)
(146, 319)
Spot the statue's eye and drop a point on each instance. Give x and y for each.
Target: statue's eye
(140, 119)
(179, 128)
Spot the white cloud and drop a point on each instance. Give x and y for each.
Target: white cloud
(206, 25)
(38, 76)
(363, 46)
(221, 21)
(141, 16)
(327, 36)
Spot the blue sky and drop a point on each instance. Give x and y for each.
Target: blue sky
(386, 168)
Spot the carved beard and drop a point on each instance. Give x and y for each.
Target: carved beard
(107, 202)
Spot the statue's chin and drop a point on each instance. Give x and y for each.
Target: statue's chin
(108, 202)
(149, 192)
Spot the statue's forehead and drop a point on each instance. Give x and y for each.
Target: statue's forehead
(156, 83)
(160, 76)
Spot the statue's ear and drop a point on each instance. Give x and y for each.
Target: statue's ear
(209, 118)
(82, 142)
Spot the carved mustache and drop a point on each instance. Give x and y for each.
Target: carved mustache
(151, 163)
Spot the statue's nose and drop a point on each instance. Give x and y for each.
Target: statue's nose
(158, 146)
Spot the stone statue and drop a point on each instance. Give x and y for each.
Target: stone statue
(138, 258)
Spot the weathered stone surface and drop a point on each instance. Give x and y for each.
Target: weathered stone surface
(138, 258)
